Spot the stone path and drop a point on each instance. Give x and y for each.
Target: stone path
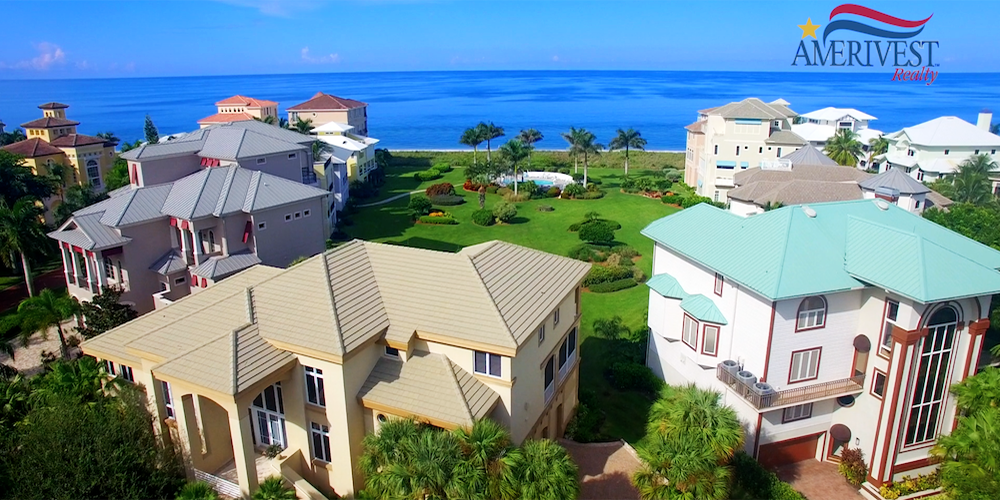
(818, 480)
(605, 469)
(390, 199)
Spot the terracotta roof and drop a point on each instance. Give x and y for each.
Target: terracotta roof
(74, 140)
(32, 148)
(49, 122)
(226, 118)
(53, 105)
(242, 100)
(697, 127)
(324, 102)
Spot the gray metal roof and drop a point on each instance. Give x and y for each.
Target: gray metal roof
(894, 178)
(267, 191)
(87, 232)
(170, 263)
(138, 205)
(227, 141)
(218, 267)
(809, 155)
(222, 191)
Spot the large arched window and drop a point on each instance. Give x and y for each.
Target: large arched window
(812, 313)
(930, 386)
(93, 173)
(268, 410)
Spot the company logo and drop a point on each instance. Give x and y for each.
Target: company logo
(877, 39)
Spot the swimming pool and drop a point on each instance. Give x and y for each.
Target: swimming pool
(543, 182)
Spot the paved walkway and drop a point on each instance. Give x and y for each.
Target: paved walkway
(390, 199)
(818, 480)
(605, 470)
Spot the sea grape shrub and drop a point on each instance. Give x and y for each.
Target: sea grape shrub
(504, 212)
(443, 188)
(483, 217)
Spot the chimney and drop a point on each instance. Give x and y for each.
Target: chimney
(985, 119)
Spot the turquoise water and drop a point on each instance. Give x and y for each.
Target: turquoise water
(430, 109)
(542, 182)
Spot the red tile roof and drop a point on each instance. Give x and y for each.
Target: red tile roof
(226, 118)
(327, 102)
(32, 148)
(75, 140)
(697, 127)
(241, 100)
(49, 122)
(53, 105)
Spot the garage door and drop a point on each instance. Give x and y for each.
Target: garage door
(789, 451)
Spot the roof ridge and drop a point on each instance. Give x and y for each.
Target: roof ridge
(333, 303)
(251, 196)
(181, 318)
(493, 302)
(227, 185)
(450, 367)
(128, 202)
(197, 199)
(234, 345)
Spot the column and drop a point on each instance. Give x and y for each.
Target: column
(244, 456)
(293, 393)
(224, 237)
(102, 272)
(76, 266)
(184, 245)
(198, 254)
(67, 270)
(187, 432)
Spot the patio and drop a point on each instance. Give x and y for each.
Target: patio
(605, 469)
(818, 480)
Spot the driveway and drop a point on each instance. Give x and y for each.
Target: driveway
(605, 469)
(818, 480)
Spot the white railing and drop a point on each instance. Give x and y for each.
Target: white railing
(550, 391)
(564, 369)
(776, 164)
(227, 488)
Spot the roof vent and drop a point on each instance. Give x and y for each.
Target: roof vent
(881, 204)
(809, 212)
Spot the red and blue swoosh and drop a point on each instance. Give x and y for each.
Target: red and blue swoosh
(857, 10)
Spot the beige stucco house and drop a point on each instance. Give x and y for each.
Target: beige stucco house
(241, 108)
(313, 357)
(322, 108)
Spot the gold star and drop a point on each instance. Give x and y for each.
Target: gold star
(809, 29)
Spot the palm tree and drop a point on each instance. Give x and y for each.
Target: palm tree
(108, 137)
(46, 310)
(490, 132)
(626, 139)
(844, 147)
(972, 180)
(877, 146)
(319, 148)
(588, 147)
(513, 152)
(573, 137)
(303, 126)
(283, 123)
(21, 231)
(197, 490)
(542, 470)
(473, 137)
(273, 488)
(11, 137)
(57, 175)
(486, 468)
(529, 137)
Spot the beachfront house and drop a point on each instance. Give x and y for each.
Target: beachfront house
(935, 148)
(820, 339)
(241, 108)
(313, 357)
(817, 127)
(734, 137)
(322, 108)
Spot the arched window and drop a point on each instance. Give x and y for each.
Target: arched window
(930, 385)
(812, 313)
(268, 409)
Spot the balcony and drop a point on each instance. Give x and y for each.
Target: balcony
(794, 396)
(779, 164)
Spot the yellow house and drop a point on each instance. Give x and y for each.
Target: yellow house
(241, 108)
(324, 108)
(313, 357)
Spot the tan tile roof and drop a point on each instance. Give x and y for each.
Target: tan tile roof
(697, 127)
(752, 108)
(796, 192)
(429, 386)
(226, 118)
(804, 172)
(242, 100)
(326, 102)
(32, 148)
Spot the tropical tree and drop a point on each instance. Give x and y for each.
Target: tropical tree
(269, 119)
(486, 471)
(76, 197)
(21, 232)
(844, 147)
(283, 122)
(197, 490)
(513, 153)
(529, 137)
(303, 126)
(970, 455)
(473, 137)
(542, 470)
(48, 309)
(972, 180)
(83, 381)
(152, 135)
(104, 312)
(490, 132)
(588, 148)
(626, 139)
(877, 146)
(57, 178)
(273, 488)
(573, 138)
(16, 135)
(18, 181)
(319, 148)
(108, 136)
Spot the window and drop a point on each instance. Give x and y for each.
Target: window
(211, 241)
(567, 349)
(125, 372)
(805, 365)
(391, 351)
(878, 384)
(777, 123)
(891, 312)
(291, 156)
(168, 399)
(487, 363)
(910, 152)
(555, 317)
(306, 213)
(779, 152)
(308, 175)
(261, 161)
(761, 150)
(550, 376)
(298, 215)
(110, 367)
(716, 149)
(812, 313)
(917, 204)
(931, 381)
(920, 175)
(946, 151)
(690, 332)
(737, 150)
(797, 412)
(710, 341)
(320, 442)
(541, 334)
(314, 386)
(718, 284)
(261, 226)
(976, 152)
(93, 173)
(180, 281)
(288, 217)
(716, 195)
(109, 269)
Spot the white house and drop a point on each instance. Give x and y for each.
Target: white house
(817, 127)
(936, 148)
(824, 326)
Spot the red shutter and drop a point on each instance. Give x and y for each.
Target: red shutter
(184, 224)
(246, 231)
(204, 162)
(204, 283)
(173, 221)
(194, 280)
(134, 176)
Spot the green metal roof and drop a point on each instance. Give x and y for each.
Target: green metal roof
(667, 286)
(788, 253)
(699, 306)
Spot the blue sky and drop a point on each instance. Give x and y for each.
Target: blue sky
(232, 37)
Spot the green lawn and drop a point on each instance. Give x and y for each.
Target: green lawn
(547, 231)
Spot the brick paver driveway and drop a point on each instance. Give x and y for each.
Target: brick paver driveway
(818, 480)
(605, 470)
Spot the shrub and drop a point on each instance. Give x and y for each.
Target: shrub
(597, 232)
(504, 212)
(575, 226)
(693, 200)
(427, 175)
(585, 426)
(529, 187)
(517, 198)
(612, 328)
(592, 195)
(578, 177)
(663, 185)
(564, 171)
(582, 252)
(439, 189)
(483, 217)
(638, 275)
(573, 190)
(852, 465)
(492, 189)
(672, 199)
(673, 175)
(553, 192)
(613, 286)
(474, 186)
(360, 190)
(447, 200)
(910, 485)
(645, 184)
(546, 208)
(428, 219)
(420, 205)
(633, 376)
(444, 168)
(602, 274)
(504, 191)
(625, 251)
(627, 184)
(757, 482)
(552, 169)
(614, 260)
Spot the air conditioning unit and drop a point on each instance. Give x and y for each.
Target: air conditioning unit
(731, 366)
(746, 377)
(765, 391)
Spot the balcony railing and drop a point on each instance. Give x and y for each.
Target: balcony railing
(550, 391)
(790, 396)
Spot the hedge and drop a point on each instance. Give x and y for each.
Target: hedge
(447, 200)
(582, 252)
(625, 251)
(613, 286)
(592, 195)
(546, 208)
(757, 482)
(427, 219)
(427, 175)
(628, 375)
(597, 232)
(672, 199)
(444, 168)
(553, 192)
(440, 189)
(483, 217)
(603, 274)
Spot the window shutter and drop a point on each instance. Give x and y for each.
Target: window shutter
(247, 231)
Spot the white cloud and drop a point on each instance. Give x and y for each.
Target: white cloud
(49, 54)
(329, 58)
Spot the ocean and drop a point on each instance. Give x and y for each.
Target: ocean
(429, 110)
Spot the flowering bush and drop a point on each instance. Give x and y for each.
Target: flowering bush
(910, 485)
(852, 465)
(444, 188)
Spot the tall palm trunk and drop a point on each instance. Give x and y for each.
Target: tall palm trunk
(515, 180)
(585, 157)
(27, 275)
(63, 349)
(475, 154)
(576, 165)
(489, 152)
(626, 160)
